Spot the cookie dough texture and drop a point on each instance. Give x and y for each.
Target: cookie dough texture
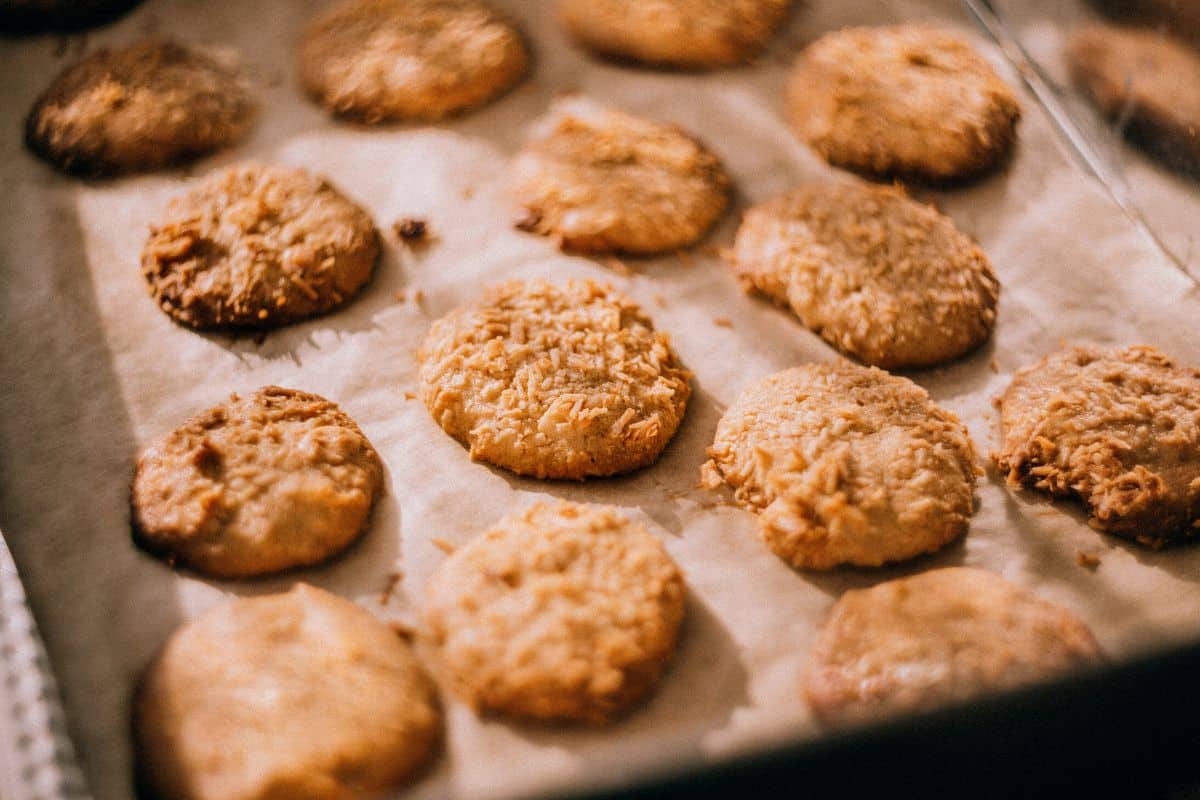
(152, 105)
(277, 479)
(35, 16)
(296, 695)
(255, 246)
(554, 381)
(560, 612)
(907, 101)
(845, 465)
(1117, 428)
(1146, 80)
(879, 276)
(936, 638)
(603, 181)
(379, 60)
(674, 33)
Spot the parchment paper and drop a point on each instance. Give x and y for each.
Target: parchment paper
(91, 370)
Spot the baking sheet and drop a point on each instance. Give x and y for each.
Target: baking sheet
(92, 370)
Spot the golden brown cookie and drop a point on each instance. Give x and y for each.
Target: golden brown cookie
(1146, 80)
(845, 465)
(905, 101)
(675, 33)
(554, 381)
(148, 106)
(260, 484)
(1119, 429)
(379, 60)
(296, 695)
(258, 247)
(936, 638)
(879, 276)
(603, 181)
(34, 16)
(563, 611)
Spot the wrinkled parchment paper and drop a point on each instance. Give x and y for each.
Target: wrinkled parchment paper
(91, 370)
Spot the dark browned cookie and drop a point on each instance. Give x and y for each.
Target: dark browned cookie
(258, 247)
(35, 16)
(379, 60)
(1119, 429)
(148, 106)
(1148, 82)
(260, 484)
(674, 33)
(905, 101)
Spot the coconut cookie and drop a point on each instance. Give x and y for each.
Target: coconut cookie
(560, 612)
(905, 101)
(1119, 429)
(34, 16)
(879, 276)
(257, 247)
(148, 106)
(845, 465)
(275, 480)
(674, 33)
(296, 695)
(1147, 81)
(380, 60)
(936, 638)
(554, 381)
(603, 181)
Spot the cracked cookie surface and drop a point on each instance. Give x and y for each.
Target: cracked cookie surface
(845, 465)
(603, 181)
(905, 101)
(554, 381)
(1119, 429)
(560, 612)
(262, 483)
(256, 246)
(879, 276)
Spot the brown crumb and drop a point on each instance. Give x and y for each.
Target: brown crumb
(411, 230)
(660, 301)
(443, 545)
(618, 266)
(418, 297)
(994, 366)
(405, 632)
(1087, 560)
(723, 322)
(410, 396)
(389, 587)
(468, 192)
(401, 296)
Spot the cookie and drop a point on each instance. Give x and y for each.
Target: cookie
(1118, 429)
(299, 695)
(256, 485)
(152, 105)
(845, 465)
(939, 637)
(379, 60)
(675, 33)
(602, 181)
(1148, 82)
(1180, 17)
(35, 16)
(908, 101)
(554, 381)
(879, 276)
(561, 612)
(258, 247)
